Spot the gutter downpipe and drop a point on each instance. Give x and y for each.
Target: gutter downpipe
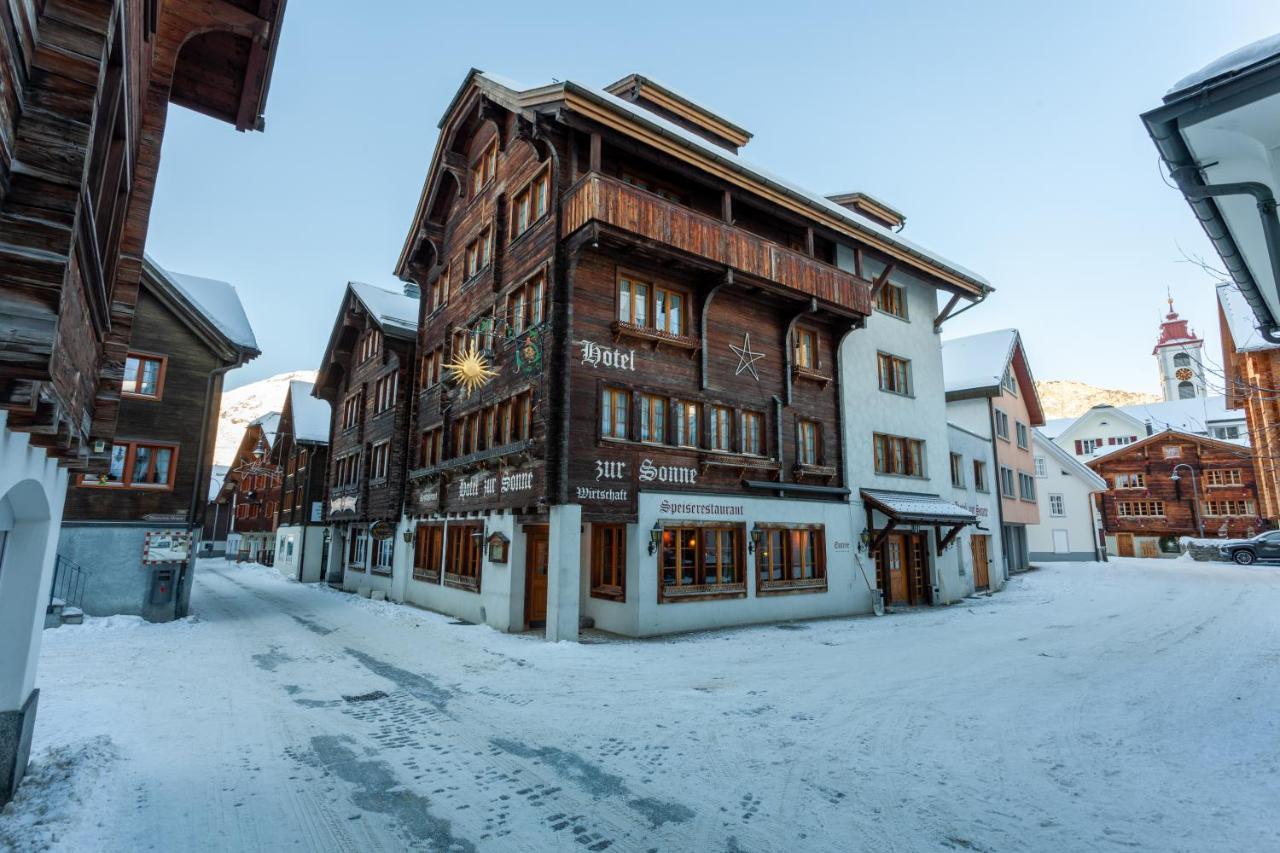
(998, 485)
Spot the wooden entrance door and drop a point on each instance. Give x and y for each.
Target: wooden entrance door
(1124, 544)
(535, 575)
(895, 566)
(981, 562)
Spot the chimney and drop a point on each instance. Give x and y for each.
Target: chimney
(412, 290)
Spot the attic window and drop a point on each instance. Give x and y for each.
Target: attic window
(1008, 383)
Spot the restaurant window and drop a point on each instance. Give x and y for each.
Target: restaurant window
(137, 465)
(484, 168)
(753, 433)
(609, 561)
(653, 418)
(703, 560)
(892, 300)
(805, 348)
(462, 564)
(791, 557)
(614, 406)
(957, 470)
(719, 428)
(530, 204)
(895, 454)
(357, 547)
(379, 460)
(686, 415)
(894, 374)
(807, 438)
(428, 551)
(383, 553)
(143, 376)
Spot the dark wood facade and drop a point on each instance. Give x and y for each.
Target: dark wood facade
(303, 464)
(84, 96)
(366, 351)
(752, 270)
(252, 487)
(160, 459)
(1143, 499)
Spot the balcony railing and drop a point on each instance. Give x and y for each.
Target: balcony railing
(603, 199)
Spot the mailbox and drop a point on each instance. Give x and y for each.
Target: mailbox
(161, 586)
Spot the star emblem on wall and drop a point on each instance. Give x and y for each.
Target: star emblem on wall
(470, 370)
(747, 357)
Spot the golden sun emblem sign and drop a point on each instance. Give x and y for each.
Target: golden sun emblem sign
(469, 370)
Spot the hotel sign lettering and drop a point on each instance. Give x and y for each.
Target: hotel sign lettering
(595, 355)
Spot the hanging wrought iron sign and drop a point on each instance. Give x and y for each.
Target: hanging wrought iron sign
(529, 353)
(382, 530)
(470, 370)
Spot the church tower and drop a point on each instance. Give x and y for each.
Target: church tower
(1179, 352)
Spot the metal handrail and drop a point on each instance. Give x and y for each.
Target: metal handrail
(69, 582)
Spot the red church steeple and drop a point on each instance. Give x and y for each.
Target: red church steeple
(1175, 330)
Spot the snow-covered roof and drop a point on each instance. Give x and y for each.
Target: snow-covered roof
(1196, 415)
(217, 301)
(217, 474)
(311, 415)
(1056, 427)
(917, 506)
(270, 423)
(1240, 319)
(977, 361)
(1261, 51)
(1068, 462)
(388, 306)
(545, 92)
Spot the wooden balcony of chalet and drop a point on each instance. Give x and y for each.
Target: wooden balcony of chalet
(623, 207)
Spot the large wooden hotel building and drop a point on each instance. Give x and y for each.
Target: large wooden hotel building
(625, 405)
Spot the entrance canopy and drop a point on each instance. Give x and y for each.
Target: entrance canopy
(914, 508)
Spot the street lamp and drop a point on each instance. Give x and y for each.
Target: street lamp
(1195, 493)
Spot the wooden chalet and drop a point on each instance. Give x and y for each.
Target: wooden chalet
(252, 490)
(301, 455)
(1145, 509)
(188, 332)
(366, 376)
(662, 321)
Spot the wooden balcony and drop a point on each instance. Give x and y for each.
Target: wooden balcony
(602, 199)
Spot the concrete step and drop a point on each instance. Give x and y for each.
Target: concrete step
(72, 616)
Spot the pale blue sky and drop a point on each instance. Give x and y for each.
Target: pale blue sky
(1008, 135)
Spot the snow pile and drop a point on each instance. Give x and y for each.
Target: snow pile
(51, 799)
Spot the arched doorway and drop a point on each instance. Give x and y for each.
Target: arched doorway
(25, 522)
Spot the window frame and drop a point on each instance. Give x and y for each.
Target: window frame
(653, 287)
(1057, 505)
(804, 348)
(890, 370)
(428, 552)
(765, 553)
(957, 470)
(885, 453)
(1008, 490)
(673, 534)
(609, 562)
(808, 442)
(161, 370)
(651, 405)
(465, 551)
(894, 305)
(745, 417)
(484, 168)
(980, 477)
(126, 481)
(528, 196)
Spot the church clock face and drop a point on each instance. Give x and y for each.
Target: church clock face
(1183, 373)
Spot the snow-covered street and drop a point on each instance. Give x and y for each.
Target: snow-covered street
(1089, 707)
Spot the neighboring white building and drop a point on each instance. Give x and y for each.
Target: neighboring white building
(980, 549)
(1068, 527)
(1103, 428)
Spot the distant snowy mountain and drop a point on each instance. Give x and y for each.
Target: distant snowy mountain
(241, 406)
(1066, 398)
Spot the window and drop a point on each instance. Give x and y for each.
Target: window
(346, 470)
(484, 168)
(1085, 446)
(897, 455)
(384, 392)
(804, 352)
(383, 551)
(530, 204)
(428, 550)
(1008, 383)
(892, 300)
(526, 304)
(379, 459)
(357, 547)
(478, 254)
(701, 560)
(135, 465)
(719, 431)
(1173, 451)
(657, 189)
(370, 345)
(1007, 483)
(1002, 424)
(462, 566)
(429, 448)
(1140, 509)
(1226, 432)
(351, 410)
(807, 438)
(1222, 477)
(432, 365)
(143, 376)
(791, 557)
(1024, 436)
(653, 418)
(652, 306)
(1042, 470)
(614, 406)
(438, 291)
(980, 476)
(957, 470)
(1026, 487)
(1057, 506)
(522, 416)
(895, 373)
(609, 561)
(753, 433)
(1131, 481)
(686, 414)
(1219, 509)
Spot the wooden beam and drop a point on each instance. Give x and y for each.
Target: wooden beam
(594, 161)
(808, 241)
(945, 542)
(881, 535)
(946, 312)
(726, 207)
(880, 282)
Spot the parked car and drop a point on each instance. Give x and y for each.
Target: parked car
(1264, 547)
